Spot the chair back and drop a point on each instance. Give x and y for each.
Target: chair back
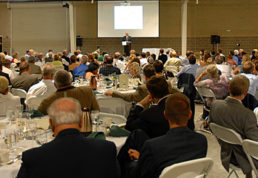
(33, 102)
(205, 92)
(172, 69)
(225, 134)
(19, 92)
(194, 168)
(251, 149)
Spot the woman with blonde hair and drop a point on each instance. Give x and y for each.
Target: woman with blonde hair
(134, 69)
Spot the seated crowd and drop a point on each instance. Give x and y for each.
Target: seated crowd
(161, 117)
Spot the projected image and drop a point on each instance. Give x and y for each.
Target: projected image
(128, 17)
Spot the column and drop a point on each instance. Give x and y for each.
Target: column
(72, 28)
(184, 27)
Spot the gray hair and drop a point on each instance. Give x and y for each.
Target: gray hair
(84, 59)
(65, 111)
(62, 78)
(31, 59)
(48, 70)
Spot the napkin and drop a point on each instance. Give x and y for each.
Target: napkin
(98, 135)
(36, 113)
(116, 131)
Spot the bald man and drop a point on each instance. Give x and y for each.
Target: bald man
(70, 154)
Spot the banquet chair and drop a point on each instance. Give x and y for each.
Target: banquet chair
(229, 136)
(21, 93)
(172, 69)
(33, 102)
(114, 105)
(197, 168)
(205, 93)
(116, 118)
(251, 149)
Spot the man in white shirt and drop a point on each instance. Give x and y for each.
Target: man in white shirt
(46, 86)
(7, 100)
(225, 69)
(6, 69)
(143, 59)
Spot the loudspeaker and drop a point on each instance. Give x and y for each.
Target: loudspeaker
(78, 41)
(215, 39)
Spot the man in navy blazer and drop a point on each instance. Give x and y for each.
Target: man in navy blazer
(178, 145)
(69, 155)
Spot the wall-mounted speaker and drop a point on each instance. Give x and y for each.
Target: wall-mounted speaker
(79, 41)
(215, 39)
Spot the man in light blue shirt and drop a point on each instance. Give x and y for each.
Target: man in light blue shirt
(80, 70)
(248, 68)
(191, 67)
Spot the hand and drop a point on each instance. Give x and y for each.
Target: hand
(108, 93)
(133, 154)
(145, 101)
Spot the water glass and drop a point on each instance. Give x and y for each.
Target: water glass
(95, 118)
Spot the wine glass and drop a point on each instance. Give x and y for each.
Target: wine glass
(95, 118)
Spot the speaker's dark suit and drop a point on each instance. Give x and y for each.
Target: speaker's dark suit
(127, 47)
(178, 145)
(70, 155)
(151, 121)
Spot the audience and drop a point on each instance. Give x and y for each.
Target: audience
(191, 67)
(80, 70)
(34, 69)
(232, 114)
(46, 86)
(163, 57)
(151, 120)
(4, 74)
(6, 67)
(140, 92)
(134, 70)
(74, 63)
(69, 154)
(24, 80)
(63, 84)
(173, 61)
(109, 69)
(7, 100)
(222, 67)
(158, 66)
(92, 71)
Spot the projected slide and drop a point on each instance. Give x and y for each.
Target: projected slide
(128, 17)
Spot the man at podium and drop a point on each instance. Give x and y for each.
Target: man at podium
(126, 42)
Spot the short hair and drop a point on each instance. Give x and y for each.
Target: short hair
(161, 51)
(149, 71)
(248, 67)
(24, 66)
(157, 86)
(109, 60)
(73, 58)
(62, 78)
(135, 66)
(84, 59)
(158, 66)
(65, 111)
(219, 59)
(212, 71)
(143, 54)
(192, 59)
(239, 85)
(48, 70)
(6, 62)
(31, 59)
(136, 59)
(236, 52)
(4, 83)
(177, 108)
(93, 66)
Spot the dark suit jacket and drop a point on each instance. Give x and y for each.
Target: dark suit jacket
(178, 145)
(34, 69)
(129, 39)
(24, 81)
(163, 58)
(6, 76)
(127, 48)
(108, 70)
(230, 113)
(70, 155)
(151, 121)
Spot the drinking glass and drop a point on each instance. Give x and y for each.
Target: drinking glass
(95, 118)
